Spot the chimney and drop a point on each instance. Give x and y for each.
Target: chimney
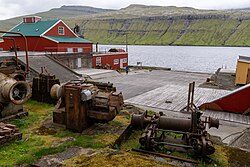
(31, 19)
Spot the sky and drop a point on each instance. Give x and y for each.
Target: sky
(13, 8)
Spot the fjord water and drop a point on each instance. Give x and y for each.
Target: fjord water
(184, 58)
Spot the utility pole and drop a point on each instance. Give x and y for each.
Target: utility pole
(126, 42)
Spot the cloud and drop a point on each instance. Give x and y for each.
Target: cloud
(13, 8)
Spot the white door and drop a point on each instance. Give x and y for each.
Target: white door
(121, 63)
(79, 62)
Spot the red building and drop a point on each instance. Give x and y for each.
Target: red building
(48, 35)
(114, 60)
(56, 36)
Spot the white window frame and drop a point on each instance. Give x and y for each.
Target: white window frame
(80, 50)
(116, 61)
(70, 50)
(98, 61)
(61, 30)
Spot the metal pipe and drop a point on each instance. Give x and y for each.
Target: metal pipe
(25, 45)
(192, 90)
(165, 155)
(173, 144)
(14, 43)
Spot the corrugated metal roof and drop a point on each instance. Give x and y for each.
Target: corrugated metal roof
(33, 29)
(68, 39)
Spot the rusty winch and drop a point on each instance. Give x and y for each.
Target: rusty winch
(193, 132)
(13, 93)
(82, 103)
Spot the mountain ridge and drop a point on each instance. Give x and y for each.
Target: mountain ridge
(155, 25)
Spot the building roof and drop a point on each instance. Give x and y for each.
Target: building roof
(244, 59)
(60, 39)
(33, 29)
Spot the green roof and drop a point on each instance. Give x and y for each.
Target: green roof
(33, 29)
(68, 39)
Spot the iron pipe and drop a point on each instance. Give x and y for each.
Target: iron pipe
(25, 45)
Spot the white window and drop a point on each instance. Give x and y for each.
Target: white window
(80, 50)
(116, 61)
(98, 61)
(125, 60)
(61, 30)
(70, 49)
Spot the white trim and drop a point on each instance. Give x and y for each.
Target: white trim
(69, 29)
(62, 29)
(13, 28)
(50, 39)
(50, 28)
(116, 61)
(55, 25)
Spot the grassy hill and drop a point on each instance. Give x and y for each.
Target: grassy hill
(155, 25)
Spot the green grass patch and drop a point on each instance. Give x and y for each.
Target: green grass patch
(34, 146)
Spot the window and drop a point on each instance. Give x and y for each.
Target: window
(61, 30)
(98, 61)
(116, 61)
(125, 60)
(70, 49)
(80, 50)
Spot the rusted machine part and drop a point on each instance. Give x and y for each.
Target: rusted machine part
(16, 92)
(107, 86)
(15, 49)
(183, 125)
(82, 104)
(9, 132)
(41, 88)
(26, 47)
(193, 130)
(56, 91)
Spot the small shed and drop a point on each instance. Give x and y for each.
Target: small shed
(113, 60)
(243, 71)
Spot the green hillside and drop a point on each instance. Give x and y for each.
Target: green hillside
(155, 25)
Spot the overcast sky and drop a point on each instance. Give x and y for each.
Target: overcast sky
(13, 8)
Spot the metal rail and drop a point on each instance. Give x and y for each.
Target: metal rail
(165, 155)
(25, 45)
(15, 49)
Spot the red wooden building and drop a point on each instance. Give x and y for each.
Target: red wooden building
(114, 60)
(46, 35)
(56, 36)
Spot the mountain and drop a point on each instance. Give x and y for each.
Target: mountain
(56, 13)
(155, 25)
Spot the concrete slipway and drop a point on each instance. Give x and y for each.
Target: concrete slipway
(151, 90)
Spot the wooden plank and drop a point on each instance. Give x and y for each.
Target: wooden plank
(232, 117)
(177, 94)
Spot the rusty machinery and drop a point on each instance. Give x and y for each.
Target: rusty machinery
(82, 103)
(13, 93)
(41, 86)
(193, 132)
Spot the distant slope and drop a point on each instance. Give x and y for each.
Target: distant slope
(56, 13)
(157, 25)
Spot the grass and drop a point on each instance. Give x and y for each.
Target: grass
(35, 145)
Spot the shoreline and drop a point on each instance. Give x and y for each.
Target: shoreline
(165, 69)
(224, 46)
